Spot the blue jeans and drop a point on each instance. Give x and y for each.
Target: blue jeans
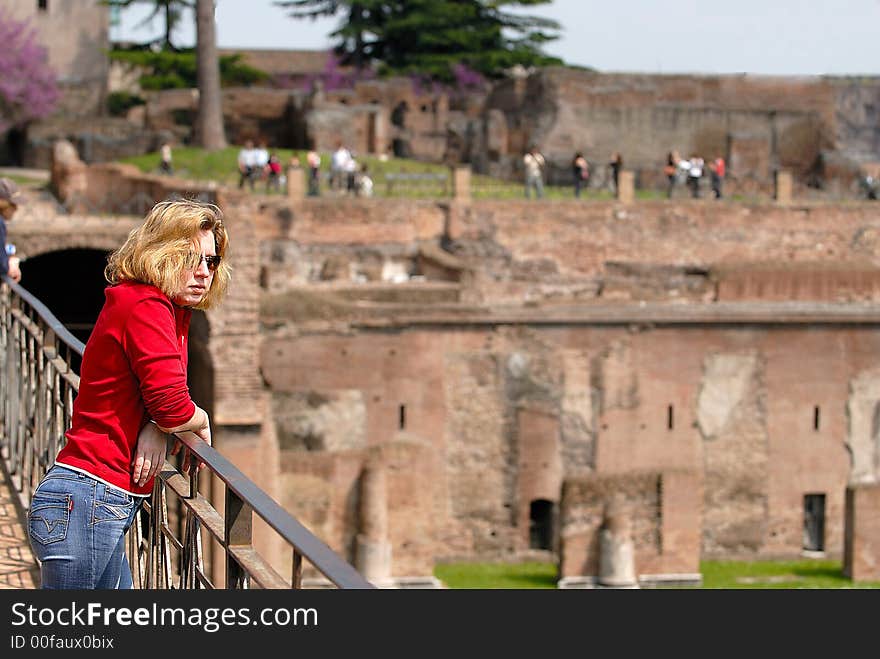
(77, 527)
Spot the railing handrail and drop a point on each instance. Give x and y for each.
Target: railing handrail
(319, 554)
(303, 541)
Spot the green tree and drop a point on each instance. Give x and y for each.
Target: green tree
(171, 10)
(431, 36)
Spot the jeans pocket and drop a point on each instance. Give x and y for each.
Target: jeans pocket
(112, 505)
(49, 517)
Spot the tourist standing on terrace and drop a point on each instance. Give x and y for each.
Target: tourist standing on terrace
(132, 394)
(313, 161)
(273, 172)
(670, 169)
(616, 165)
(247, 163)
(339, 166)
(718, 170)
(581, 172)
(10, 196)
(533, 162)
(261, 161)
(695, 173)
(165, 158)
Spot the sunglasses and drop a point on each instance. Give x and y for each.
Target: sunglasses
(213, 262)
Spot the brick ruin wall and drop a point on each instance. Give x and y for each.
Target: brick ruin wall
(74, 34)
(822, 128)
(515, 252)
(740, 405)
(664, 514)
(475, 420)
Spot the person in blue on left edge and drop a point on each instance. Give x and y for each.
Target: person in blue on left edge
(10, 197)
(133, 392)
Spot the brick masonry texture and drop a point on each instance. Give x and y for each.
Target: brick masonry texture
(475, 419)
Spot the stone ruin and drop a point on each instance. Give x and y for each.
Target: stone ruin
(820, 129)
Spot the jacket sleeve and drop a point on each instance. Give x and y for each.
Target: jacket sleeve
(153, 349)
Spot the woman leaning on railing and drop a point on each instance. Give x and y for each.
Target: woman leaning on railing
(133, 372)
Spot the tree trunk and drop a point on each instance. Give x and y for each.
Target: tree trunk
(169, 26)
(209, 123)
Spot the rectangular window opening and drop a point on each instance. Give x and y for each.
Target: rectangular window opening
(814, 522)
(401, 417)
(43, 5)
(816, 417)
(670, 417)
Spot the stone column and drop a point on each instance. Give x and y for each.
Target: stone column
(373, 551)
(626, 188)
(461, 184)
(69, 177)
(296, 183)
(616, 551)
(861, 541)
(782, 187)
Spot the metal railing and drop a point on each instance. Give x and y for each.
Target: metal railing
(38, 385)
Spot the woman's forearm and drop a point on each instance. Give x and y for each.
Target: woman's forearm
(197, 423)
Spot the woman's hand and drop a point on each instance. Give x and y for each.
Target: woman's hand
(199, 426)
(149, 455)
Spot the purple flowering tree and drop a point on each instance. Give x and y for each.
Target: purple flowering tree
(465, 81)
(335, 77)
(27, 83)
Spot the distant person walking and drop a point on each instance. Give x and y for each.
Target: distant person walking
(313, 162)
(670, 169)
(616, 166)
(717, 170)
(339, 165)
(534, 163)
(247, 162)
(351, 170)
(165, 165)
(261, 161)
(695, 173)
(580, 170)
(273, 173)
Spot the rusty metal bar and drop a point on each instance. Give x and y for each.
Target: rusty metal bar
(238, 532)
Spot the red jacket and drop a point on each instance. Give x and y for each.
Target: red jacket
(133, 370)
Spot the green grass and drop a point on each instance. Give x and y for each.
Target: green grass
(778, 574)
(497, 575)
(220, 166)
(809, 574)
(26, 181)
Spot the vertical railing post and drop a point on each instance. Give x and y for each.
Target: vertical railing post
(296, 573)
(42, 412)
(238, 532)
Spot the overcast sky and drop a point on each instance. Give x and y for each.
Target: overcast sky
(775, 37)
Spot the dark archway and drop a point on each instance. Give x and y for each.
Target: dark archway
(13, 147)
(71, 284)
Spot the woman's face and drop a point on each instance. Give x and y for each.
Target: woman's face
(195, 282)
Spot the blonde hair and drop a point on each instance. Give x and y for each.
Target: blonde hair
(159, 250)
